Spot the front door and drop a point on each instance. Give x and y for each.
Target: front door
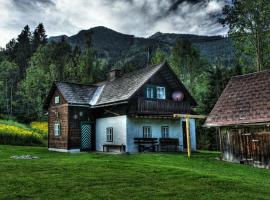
(184, 131)
(86, 136)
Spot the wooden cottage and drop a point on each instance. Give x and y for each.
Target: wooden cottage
(128, 112)
(242, 115)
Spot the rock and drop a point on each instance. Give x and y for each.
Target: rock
(23, 157)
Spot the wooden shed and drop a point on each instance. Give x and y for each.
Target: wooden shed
(242, 115)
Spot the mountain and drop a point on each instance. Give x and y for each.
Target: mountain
(117, 47)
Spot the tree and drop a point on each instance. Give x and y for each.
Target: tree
(40, 75)
(158, 57)
(23, 50)
(187, 63)
(39, 37)
(8, 76)
(249, 25)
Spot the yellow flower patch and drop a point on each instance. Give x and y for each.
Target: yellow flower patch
(43, 126)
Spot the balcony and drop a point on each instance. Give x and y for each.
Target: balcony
(159, 107)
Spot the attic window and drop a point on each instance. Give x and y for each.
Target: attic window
(56, 99)
(161, 94)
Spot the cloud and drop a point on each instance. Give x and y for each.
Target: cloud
(137, 17)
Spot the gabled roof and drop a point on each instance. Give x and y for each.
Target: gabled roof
(72, 92)
(245, 100)
(108, 92)
(124, 87)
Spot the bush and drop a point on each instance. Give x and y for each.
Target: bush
(18, 134)
(40, 127)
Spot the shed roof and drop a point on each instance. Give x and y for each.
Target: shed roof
(245, 100)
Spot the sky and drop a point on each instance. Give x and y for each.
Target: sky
(141, 18)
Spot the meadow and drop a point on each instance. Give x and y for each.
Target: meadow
(128, 176)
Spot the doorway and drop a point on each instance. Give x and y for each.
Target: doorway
(86, 136)
(184, 131)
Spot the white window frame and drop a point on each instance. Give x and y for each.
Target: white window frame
(150, 92)
(57, 99)
(161, 92)
(147, 132)
(109, 134)
(57, 129)
(165, 133)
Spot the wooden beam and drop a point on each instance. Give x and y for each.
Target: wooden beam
(188, 137)
(189, 116)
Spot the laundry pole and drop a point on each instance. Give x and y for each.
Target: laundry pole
(188, 137)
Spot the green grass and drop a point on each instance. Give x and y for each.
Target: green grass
(137, 176)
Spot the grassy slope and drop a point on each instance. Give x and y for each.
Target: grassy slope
(140, 176)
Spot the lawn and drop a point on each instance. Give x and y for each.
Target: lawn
(138, 176)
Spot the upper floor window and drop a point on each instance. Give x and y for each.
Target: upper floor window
(109, 134)
(56, 99)
(147, 132)
(150, 91)
(161, 94)
(164, 131)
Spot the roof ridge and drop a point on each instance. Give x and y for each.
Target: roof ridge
(252, 73)
(75, 83)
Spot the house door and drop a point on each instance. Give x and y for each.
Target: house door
(184, 131)
(86, 136)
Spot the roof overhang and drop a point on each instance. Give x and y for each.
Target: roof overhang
(212, 125)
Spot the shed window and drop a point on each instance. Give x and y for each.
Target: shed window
(161, 94)
(109, 134)
(57, 129)
(164, 131)
(56, 99)
(147, 132)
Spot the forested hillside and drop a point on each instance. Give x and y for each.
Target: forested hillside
(117, 47)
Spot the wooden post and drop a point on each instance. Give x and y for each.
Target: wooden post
(188, 137)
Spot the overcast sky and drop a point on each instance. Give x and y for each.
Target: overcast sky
(137, 17)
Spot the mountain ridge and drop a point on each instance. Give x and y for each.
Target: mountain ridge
(117, 47)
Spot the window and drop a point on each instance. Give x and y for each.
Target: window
(164, 131)
(56, 99)
(161, 94)
(57, 129)
(109, 134)
(150, 92)
(147, 133)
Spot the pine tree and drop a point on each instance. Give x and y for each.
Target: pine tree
(39, 37)
(23, 50)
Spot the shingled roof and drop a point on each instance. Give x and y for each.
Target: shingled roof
(76, 93)
(116, 91)
(124, 87)
(245, 100)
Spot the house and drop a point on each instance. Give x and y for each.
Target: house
(128, 112)
(242, 115)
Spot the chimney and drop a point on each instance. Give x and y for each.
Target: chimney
(114, 74)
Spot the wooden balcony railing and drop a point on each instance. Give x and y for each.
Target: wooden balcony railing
(164, 107)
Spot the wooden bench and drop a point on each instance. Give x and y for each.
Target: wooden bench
(150, 144)
(169, 144)
(107, 147)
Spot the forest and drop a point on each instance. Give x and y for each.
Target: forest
(30, 63)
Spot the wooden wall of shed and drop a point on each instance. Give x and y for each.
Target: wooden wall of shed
(246, 145)
(74, 138)
(58, 113)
